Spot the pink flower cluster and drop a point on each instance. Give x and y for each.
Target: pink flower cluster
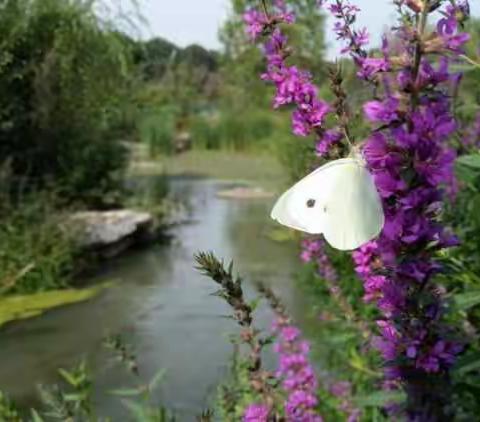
(343, 391)
(293, 85)
(296, 373)
(313, 250)
(346, 15)
(256, 412)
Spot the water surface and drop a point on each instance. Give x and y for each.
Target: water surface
(163, 306)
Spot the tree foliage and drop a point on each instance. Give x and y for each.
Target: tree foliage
(64, 78)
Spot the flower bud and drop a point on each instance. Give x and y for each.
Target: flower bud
(416, 5)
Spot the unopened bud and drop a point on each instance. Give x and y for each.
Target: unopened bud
(416, 5)
(246, 335)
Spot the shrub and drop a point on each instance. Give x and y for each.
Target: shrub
(63, 82)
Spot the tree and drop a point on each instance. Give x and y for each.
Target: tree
(64, 77)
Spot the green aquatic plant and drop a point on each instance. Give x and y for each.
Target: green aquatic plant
(17, 307)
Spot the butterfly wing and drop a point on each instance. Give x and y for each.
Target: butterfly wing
(354, 211)
(285, 213)
(302, 206)
(338, 200)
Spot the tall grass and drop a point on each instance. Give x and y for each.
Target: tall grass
(232, 130)
(156, 129)
(36, 252)
(204, 133)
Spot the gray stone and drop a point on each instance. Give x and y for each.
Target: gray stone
(111, 232)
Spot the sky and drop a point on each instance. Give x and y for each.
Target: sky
(186, 22)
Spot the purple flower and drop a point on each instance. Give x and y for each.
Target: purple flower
(382, 111)
(455, 43)
(354, 415)
(290, 333)
(370, 66)
(388, 182)
(314, 250)
(327, 140)
(256, 413)
(255, 23)
(341, 389)
(379, 153)
(448, 26)
(361, 38)
(345, 14)
(295, 371)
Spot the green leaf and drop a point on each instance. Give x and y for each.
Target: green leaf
(466, 174)
(467, 363)
(35, 416)
(68, 377)
(380, 398)
(465, 301)
(127, 392)
(138, 412)
(254, 303)
(342, 338)
(156, 380)
(74, 397)
(471, 160)
(467, 168)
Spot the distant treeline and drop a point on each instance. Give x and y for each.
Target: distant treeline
(156, 55)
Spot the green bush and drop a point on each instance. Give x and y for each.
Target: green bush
(64, 80)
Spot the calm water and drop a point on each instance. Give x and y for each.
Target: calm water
(163, 306)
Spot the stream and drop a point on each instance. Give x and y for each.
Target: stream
(163, 306)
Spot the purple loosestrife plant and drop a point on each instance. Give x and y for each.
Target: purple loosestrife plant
(294, 86)
(408, 154)
(314, 250)
(296, 373)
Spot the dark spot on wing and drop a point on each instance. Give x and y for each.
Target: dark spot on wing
(311, 203)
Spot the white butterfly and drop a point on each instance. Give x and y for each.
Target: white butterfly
(338, 200)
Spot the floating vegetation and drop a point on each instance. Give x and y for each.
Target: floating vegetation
(13, 308)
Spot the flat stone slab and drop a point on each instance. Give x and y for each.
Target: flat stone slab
(107, 228)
